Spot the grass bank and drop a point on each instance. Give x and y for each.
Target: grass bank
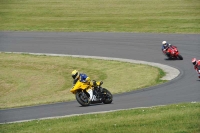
(158, 16)
(176, 118)
(31, 79)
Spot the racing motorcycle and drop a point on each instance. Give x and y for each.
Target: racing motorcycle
(102, 94)
(173, 53)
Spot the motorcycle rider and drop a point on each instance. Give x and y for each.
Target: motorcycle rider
(196, 64)
(82, 77)
(165, 47)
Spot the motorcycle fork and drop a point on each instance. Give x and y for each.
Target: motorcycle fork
(88, 95)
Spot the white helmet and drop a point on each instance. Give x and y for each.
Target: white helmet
(164, 42)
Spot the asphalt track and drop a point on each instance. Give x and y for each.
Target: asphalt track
(137, 46)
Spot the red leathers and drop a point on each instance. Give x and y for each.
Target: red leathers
(196, 64)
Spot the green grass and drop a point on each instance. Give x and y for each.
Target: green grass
(175, 118)
(157, 16)
(30, 79)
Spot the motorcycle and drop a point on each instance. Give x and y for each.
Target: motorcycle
(198, 70)
(173, 53)
(82, 96)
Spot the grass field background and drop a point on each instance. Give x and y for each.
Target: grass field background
(157, 16)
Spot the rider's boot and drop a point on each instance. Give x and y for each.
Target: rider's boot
(90, 91)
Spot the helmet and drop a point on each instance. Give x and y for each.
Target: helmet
(75, 74)
(194, 61)
(164, 42)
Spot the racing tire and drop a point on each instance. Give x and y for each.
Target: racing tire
(107, 96)
(180, 57)
(82, 98)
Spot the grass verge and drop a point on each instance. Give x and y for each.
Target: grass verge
(31, 80)
(175, 118)
(158, 16)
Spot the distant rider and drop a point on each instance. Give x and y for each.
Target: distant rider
(84, 79)
(165, 47)
(196, 64)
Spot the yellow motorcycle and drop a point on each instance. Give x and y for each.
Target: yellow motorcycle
(82, 96)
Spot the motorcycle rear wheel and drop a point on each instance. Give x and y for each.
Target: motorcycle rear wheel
(180, 57)
(107, 96)
(82, 98)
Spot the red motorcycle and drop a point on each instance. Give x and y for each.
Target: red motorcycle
(173, 53)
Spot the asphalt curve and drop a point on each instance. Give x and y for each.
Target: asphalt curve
(137, 46)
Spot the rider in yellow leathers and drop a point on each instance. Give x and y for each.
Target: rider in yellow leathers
(82, 80)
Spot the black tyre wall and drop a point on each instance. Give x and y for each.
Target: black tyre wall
(80, 101)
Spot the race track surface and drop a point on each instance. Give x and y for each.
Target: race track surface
(137, 46)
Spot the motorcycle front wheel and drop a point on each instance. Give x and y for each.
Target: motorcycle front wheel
(82, 98)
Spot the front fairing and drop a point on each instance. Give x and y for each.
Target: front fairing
(79, 85)
(173, 51)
